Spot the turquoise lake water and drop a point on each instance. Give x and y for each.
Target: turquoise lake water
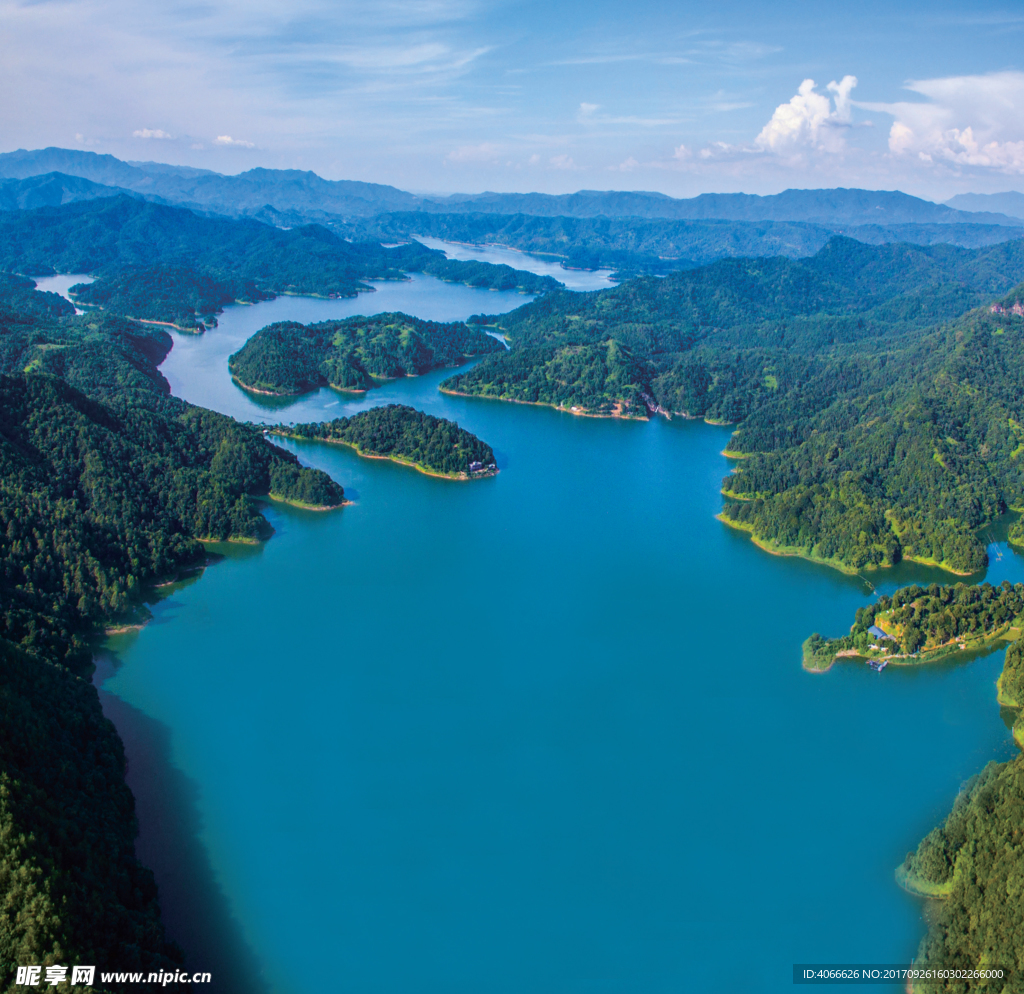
(545, 732)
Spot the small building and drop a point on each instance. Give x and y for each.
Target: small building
(879, 634)
(475, 467)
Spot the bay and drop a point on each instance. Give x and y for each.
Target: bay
(546, 731)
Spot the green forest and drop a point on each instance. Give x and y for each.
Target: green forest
(434, 445)
(107, 484)
(176, 295)
(633, 245)
(162, 263)
(483, 275)
(924, 621)
(971, 865)
(353, 354)
(605, 378)
(877, 404)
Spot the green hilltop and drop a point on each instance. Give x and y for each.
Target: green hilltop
(878, 406)
(353, 354)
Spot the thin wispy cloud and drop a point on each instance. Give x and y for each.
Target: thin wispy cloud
(462, 94)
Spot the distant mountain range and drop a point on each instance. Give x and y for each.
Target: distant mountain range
(1011, 202)
(290, 196)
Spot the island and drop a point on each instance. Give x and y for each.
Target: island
(921, 624)
(356, 354)
(435, 446)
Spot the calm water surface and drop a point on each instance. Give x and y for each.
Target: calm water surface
(544, 732)
(574, 279)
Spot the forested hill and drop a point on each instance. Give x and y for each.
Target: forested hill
(968, 865)
(123, 479)
(291, 358)
(167, 263)
(632, 245)
(879, 413)
(107, 484)
(435, 446)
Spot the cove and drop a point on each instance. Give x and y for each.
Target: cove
(543, 732)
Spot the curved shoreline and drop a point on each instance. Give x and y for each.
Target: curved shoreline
(293, 502)
(401, 460)
(792, 550)
(577, 412)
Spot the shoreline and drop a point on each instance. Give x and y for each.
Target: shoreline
(540, 403)
(792, 550)
(292, 502)
(419, 467)
(786, 550)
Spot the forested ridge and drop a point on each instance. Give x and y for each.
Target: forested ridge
(353, 354)
(396, 431)
(972, 865)
(107, 483)
(163, 263)
(877, 404)
(632, 245)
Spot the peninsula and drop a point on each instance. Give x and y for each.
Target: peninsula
(876, 390)
(435, 446)
(109, 486)
(356, 354)
(920, 624)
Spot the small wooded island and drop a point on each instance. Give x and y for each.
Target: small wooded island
(288, 358)
(434, 446)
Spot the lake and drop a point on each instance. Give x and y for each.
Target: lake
(543, 732)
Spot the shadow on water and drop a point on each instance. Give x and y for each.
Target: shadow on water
(193, 906)
(194, 909)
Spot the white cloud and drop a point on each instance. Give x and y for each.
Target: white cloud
(809, 121)
(966, 121)
(150, 133)
(236, 142)
(630, 165)
(562, 162)
(485, 152)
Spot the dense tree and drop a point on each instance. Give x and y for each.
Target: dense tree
(398, 432)
(290, 358)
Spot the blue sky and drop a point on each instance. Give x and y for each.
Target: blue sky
(460, 95)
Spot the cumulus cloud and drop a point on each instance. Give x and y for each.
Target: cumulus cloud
(630, 165)
(965, 121)
(236, 142)
(809, 119)
(150, 133)
(562, 162)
